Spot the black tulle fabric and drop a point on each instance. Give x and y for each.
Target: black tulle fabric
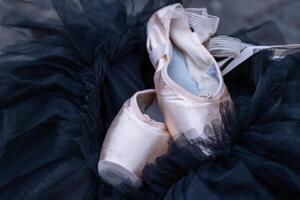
(266, 33)
(67, 66)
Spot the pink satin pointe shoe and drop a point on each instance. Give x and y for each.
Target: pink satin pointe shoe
(137, 136)
(191, 93)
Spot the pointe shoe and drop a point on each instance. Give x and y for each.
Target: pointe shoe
(191, 93)
(137, 136)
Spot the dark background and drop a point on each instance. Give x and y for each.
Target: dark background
(237, 14)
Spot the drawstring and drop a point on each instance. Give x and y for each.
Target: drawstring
(158, 53)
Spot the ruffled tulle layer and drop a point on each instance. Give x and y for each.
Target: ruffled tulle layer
(66, 67)
(263, 162)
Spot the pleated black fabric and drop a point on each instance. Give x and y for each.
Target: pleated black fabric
(67, 66)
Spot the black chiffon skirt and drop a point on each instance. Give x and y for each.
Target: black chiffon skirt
(67, 66)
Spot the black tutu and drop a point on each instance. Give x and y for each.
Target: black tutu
(67, 66)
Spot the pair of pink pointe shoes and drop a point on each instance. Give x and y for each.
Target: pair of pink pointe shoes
(190, 103)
